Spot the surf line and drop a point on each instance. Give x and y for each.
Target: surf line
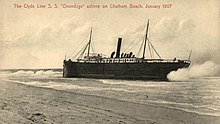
(14, 81)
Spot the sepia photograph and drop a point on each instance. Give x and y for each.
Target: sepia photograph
(109, 62)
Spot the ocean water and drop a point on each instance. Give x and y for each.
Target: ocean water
(199, 95)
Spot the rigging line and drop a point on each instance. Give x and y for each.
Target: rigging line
(92, 48)
(68, 50)
(81, 50)
(122, 47)
(92, 45)
(149, 49)
(139, 51)
(154, 48)
(132, 42)
(76, 48)
(149, 46)
(135, 38)
(110, 50)
(153, 53)
(134, 45)
(80, 42)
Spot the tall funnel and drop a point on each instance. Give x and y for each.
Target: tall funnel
(118, 48)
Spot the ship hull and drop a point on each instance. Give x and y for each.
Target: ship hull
(140, 71)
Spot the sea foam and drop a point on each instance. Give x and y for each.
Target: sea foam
(207, 69)
(31, 73)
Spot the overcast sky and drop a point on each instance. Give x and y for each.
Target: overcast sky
(40, 38)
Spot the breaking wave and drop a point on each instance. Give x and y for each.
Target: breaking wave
(207, 69)
(66, 86)
(31, 73)
(211, 110)
(134, 83)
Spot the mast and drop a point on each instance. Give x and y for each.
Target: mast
(190, 55)
(145, 39)
(89, 42)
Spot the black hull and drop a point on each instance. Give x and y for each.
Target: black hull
(136, 71)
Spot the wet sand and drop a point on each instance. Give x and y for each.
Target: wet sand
(27, 104)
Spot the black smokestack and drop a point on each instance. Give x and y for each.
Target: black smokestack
(118, 48)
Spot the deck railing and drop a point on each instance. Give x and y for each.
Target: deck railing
(129, 60)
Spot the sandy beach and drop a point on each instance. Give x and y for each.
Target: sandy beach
(27, 104)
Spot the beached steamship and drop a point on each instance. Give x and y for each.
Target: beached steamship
(122, 66)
